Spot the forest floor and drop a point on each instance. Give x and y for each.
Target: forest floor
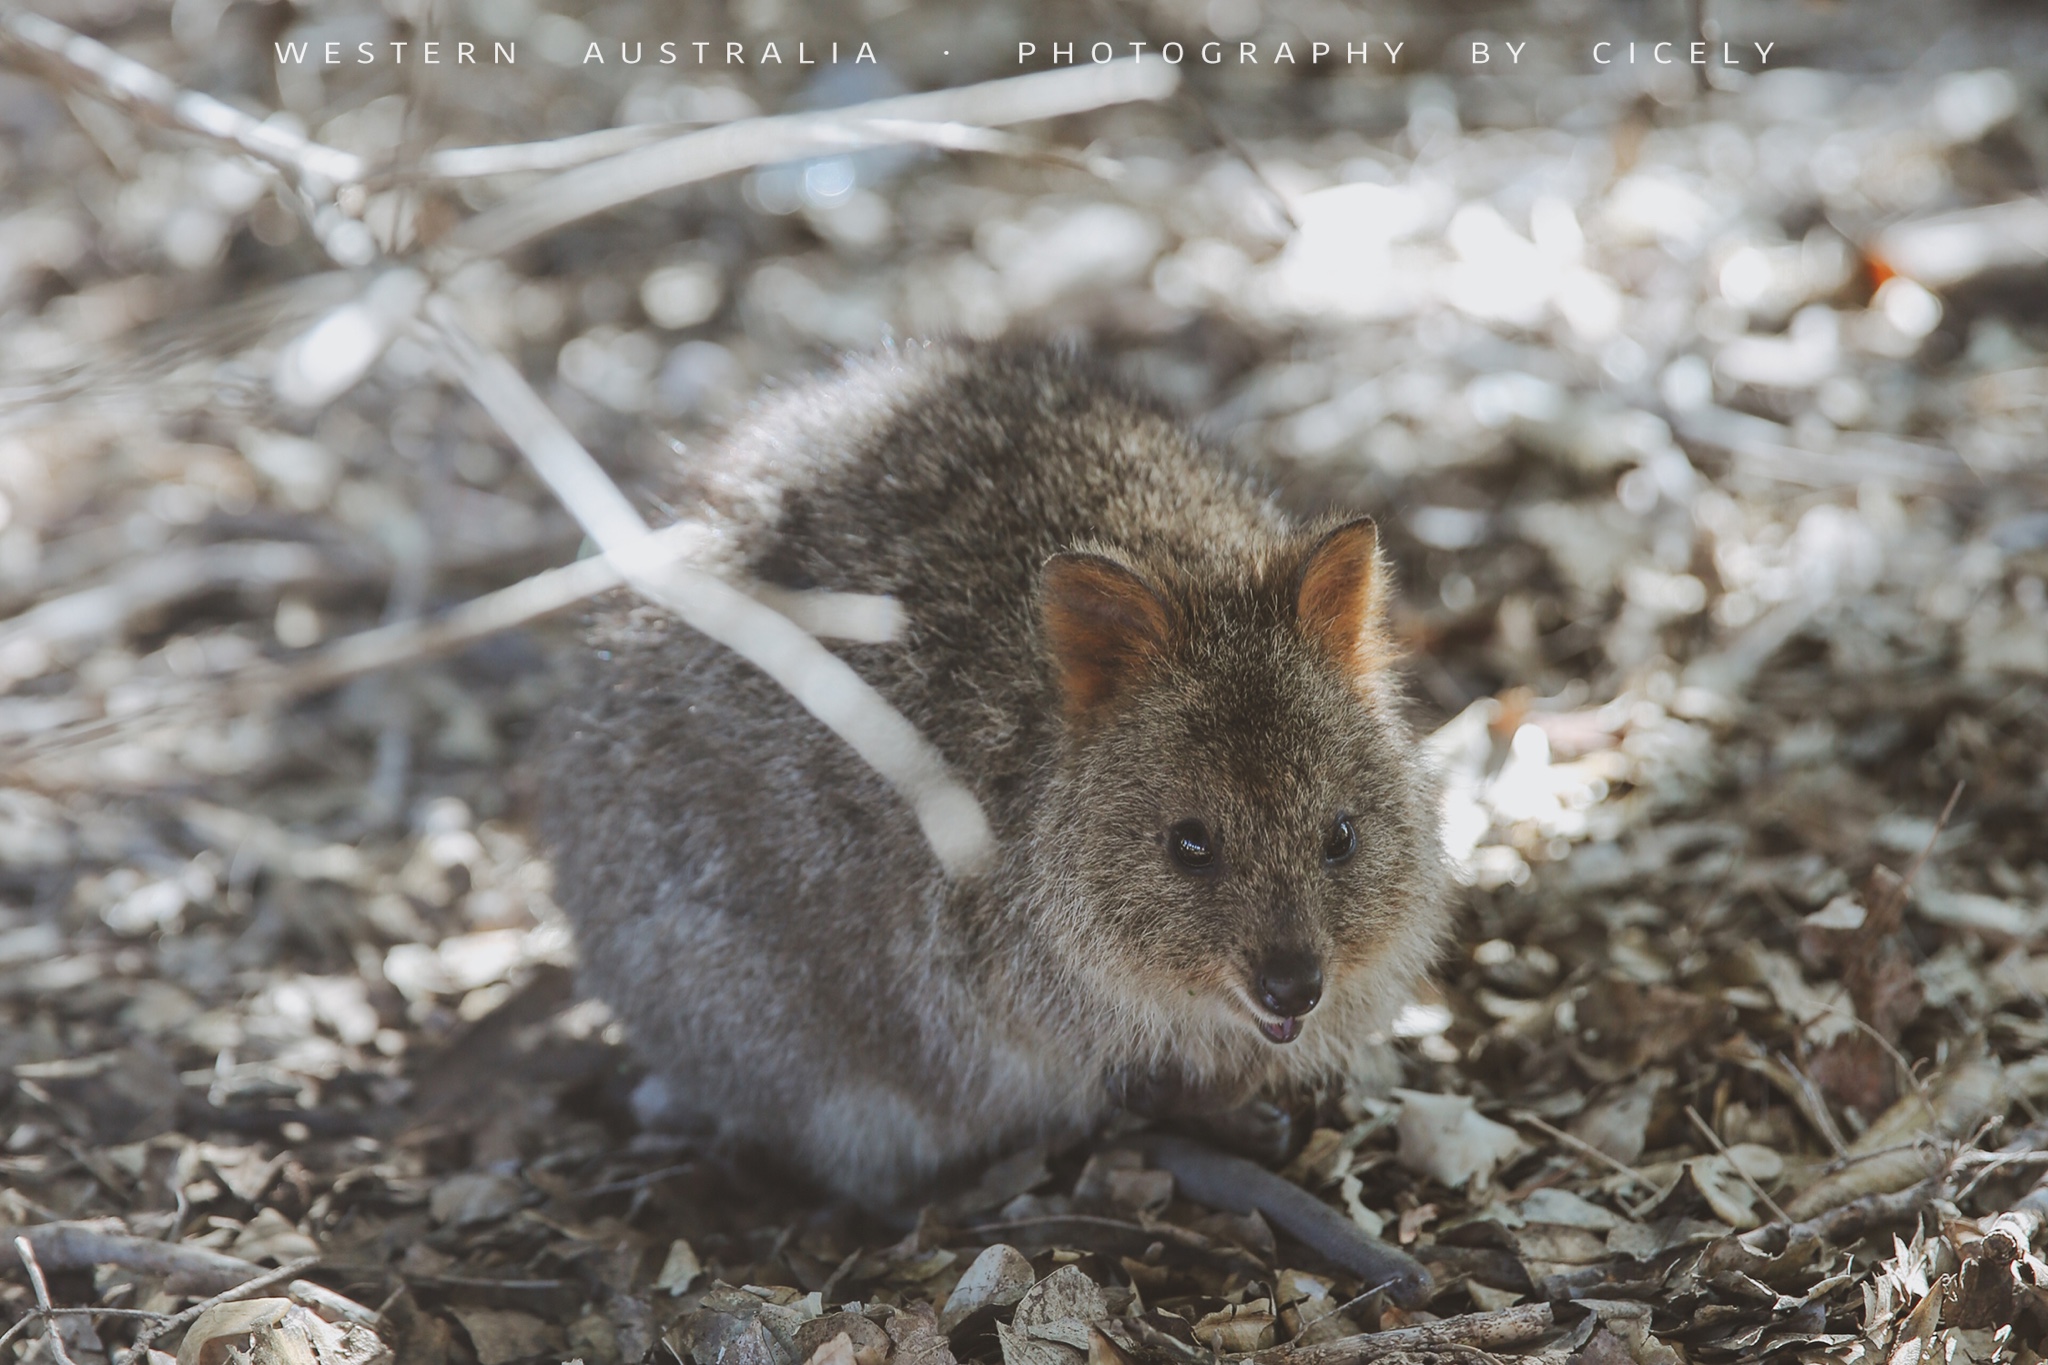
(1706, 420)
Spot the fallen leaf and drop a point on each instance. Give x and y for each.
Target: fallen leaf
(1616, 1122)
(1444, 1137)
(996, 1278)
(837, 1351)
(503, 1335)
(1238, 1328)
(1902, 1146)
(1562, 1207)
(915, 1330)
(270, 1236)
(1020, 1349)
(818, 1341)
(278, 1332)
(680, 1269)
(1060, 1308)
(1560, 1245)
(475, 1197)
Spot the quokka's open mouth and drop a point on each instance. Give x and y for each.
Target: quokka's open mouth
(1278, 1028)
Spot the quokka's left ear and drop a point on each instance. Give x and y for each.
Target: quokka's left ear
(1340, 600)
(1105, 626)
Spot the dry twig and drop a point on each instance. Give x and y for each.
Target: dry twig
(1895, 901)
(27, 641)
(711, 152)
(1507, 1327)
(1707, 1129)
(555, 154)
(99, 70)
(947, 812)
(291, 1270)
(269, 682)
(27, 1252)
(580, 149)
(1582, 1147)
(1852, 1220)
(40, 1314)
(80, 1246)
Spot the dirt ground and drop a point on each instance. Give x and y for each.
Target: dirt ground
(1704, 410)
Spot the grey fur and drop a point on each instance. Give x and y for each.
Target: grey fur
(763, 913)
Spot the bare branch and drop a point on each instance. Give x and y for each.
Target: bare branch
(949, 814)
(692, 157)
(1507, 1327)
(81, 1246)
(1722, 1148)
(859, 617)
(99, 70)
(139, 1352)
(556, 154)
(328, 358)
(579, 149)
(1583, 1148)
(26, 1250)
(28, 641)
(966, 137)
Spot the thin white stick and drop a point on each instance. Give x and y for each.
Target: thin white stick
(557, 154)
(135, 87)
(951, 818)
(859, 617)
(26, 1250)
(587, 190)
(28, 642)
(967, 137)
(579, 149)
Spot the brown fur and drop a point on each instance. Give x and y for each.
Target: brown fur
(1108, 633)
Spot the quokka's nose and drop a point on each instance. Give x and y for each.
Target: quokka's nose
(1290, 984)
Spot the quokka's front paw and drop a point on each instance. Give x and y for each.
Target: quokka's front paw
(1261, 1129)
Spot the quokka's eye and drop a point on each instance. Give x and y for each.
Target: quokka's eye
(1341, 842)
(1191, 845)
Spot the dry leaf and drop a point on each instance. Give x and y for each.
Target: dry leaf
(1562, 1207)
(1238, 1327)
(996, 1278)
(1020, 1349)
(915, 1330)
(1560, 1245)
(1615, 1122)
(1067, 1293)
(1901, 1147)
(818, 1340)
(680, 1269)
(1103, 1351)
(270, 1236)
(277, 1332)
(1308, 1308)
(1444, 1137)
(503, 1335)
(475, 1197)
(837, 1351)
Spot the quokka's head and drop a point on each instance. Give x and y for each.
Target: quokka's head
(1241, 827)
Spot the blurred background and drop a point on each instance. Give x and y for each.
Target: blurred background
(1704, 408)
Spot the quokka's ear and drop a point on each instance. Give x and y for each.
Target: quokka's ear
(1340, 600)
(1104, 625)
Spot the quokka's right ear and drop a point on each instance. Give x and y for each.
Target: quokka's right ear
(1341, 601)
(1104, 624)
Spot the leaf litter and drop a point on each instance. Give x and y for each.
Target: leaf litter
(1709, 442)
